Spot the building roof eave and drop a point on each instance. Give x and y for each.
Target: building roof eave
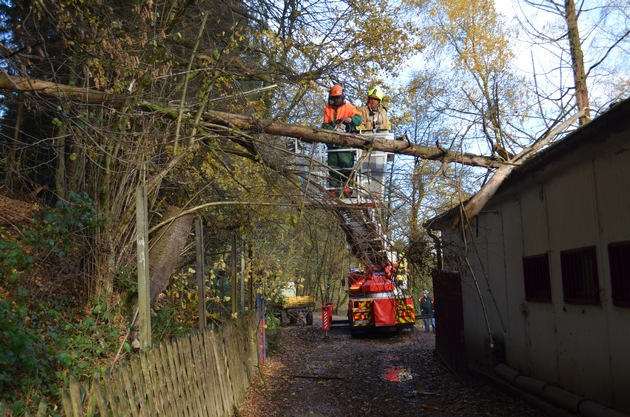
(616, 119)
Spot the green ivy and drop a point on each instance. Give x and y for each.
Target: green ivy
(58, 235)
(272, 332)
(46, 343)
(23, 357)
(45, 339)
(12, 260)
(63, 223)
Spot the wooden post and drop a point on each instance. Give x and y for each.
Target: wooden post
(234, 277)
(201, 273)
(144, 291)
(250, 257)
(243, 278)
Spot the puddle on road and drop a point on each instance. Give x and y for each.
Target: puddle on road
(397, 374)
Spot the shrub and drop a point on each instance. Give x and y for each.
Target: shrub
(24, 359)
(273, 332)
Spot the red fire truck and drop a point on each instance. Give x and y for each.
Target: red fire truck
(378, 295)
(378, 299)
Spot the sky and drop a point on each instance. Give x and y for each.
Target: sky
(545, 61)
(599, 26)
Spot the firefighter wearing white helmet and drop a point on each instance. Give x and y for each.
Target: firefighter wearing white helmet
(374, 114)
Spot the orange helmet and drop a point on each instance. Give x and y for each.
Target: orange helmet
(336, 97)
(336, 90)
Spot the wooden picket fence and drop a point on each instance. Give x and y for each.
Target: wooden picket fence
(203, 374)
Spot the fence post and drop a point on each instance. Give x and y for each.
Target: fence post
(144, 293)
(242, 277)
(201, 273)
(262, 336)
(233, 276)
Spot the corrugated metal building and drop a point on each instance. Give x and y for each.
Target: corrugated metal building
(545, 268)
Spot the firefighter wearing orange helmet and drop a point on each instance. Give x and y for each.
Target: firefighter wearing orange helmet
(341, 116)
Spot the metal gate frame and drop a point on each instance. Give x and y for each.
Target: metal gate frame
(449, 321)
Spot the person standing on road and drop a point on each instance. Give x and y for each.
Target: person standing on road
(426, 309)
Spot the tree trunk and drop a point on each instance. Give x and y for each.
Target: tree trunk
(13, 168)
(61, 186)
(45, 88)
(474, 206)
(577, 58)
(317, 135)
(479, 200)
(166, 248)
(101, 283)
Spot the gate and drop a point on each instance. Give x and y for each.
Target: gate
(449, 320)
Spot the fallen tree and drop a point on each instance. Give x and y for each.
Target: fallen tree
(310, 135)
(315, 134)
(47, 88)
(476, 203)
(252, 124)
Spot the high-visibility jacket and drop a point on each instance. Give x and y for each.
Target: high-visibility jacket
(374, 120)
(332, 116)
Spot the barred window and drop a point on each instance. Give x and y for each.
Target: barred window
(619, 260)
(580, 284)
(536, 275)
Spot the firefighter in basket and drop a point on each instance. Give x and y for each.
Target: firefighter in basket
(374, 114)
(341, 116)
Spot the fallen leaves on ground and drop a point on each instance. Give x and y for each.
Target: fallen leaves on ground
(314, 375)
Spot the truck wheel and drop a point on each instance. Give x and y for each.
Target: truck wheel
(284, 318)
(309, 318)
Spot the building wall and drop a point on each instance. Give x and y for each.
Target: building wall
(577, 201)
(484, 290)
(612, 181)
(581, 336)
